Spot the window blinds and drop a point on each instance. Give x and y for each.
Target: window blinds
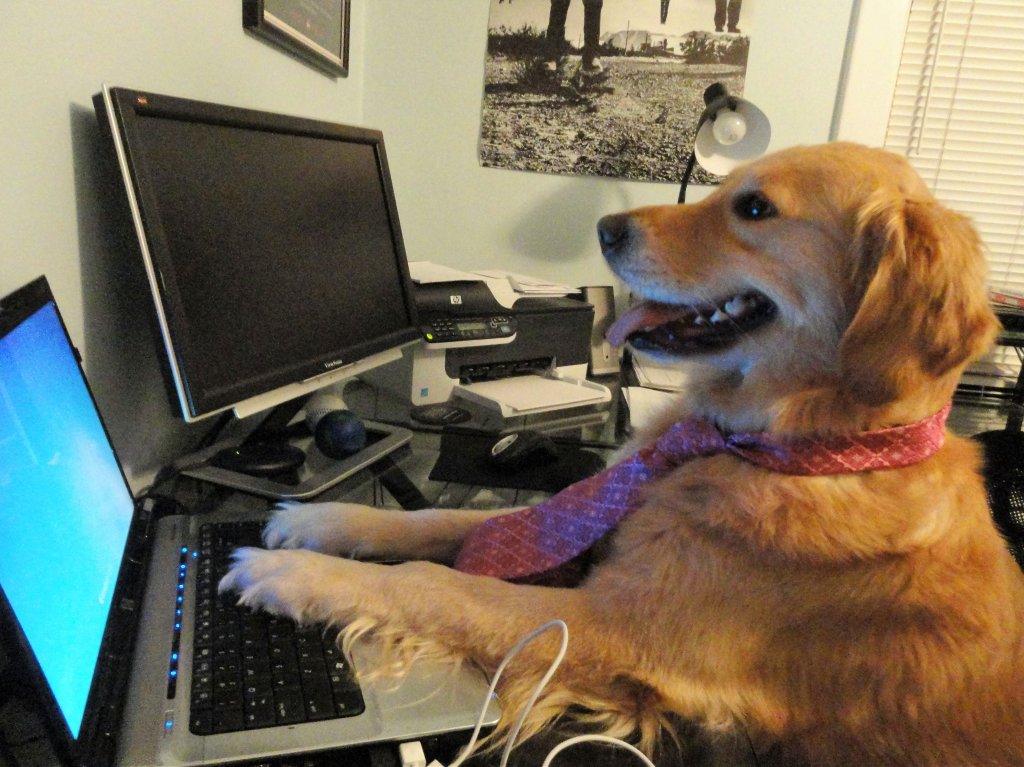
(958, 116)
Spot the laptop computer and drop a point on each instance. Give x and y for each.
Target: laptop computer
(99, 594)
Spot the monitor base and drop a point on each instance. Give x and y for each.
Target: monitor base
(317, 474)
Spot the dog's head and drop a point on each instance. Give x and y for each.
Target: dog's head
(813, 279)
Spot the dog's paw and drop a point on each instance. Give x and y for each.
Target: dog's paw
(302, 585)
(332, 528)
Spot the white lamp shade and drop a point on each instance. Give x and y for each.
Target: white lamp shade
(719, 158)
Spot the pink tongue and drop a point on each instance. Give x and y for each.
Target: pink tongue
(643, 315)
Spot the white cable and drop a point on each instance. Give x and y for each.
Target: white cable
(601, 739)
(514, 735)
(465, 753)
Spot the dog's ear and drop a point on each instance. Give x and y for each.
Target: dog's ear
(924, 309)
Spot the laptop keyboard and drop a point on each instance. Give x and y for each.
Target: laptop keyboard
(251, 669)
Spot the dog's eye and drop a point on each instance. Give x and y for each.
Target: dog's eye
(754, 206)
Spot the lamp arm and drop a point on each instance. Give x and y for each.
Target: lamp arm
(716, 97)
(688, 171)
(686, 175)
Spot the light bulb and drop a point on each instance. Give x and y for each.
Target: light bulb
(728, 127)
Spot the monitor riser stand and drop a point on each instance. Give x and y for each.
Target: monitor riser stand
(319, 473)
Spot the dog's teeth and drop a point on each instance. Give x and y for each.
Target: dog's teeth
(736, 306)
(700, 319)
(718, 317)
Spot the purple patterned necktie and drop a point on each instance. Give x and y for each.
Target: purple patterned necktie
(539, 539)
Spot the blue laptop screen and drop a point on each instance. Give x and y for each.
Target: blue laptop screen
(65, 509)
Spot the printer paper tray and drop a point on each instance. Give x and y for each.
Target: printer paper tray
(530, 394)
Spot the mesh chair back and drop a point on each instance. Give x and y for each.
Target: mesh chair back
(1004, 482)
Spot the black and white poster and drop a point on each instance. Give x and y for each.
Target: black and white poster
(606, 87)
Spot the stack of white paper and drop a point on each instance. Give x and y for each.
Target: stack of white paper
(656, 375)
(531, 286)
(525, 395)
(647, 405)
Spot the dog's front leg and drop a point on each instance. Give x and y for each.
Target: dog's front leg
(353, 529)
(473, 616)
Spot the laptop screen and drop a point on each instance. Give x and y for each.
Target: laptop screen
(65, 509)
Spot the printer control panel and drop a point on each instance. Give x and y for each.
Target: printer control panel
(472, 330)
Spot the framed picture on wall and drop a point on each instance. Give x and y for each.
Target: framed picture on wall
(315, 31)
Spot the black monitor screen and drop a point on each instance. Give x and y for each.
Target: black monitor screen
(272, 244)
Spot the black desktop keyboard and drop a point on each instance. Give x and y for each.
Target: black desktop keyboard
(250, 669)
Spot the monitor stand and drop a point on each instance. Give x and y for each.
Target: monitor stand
(318, 473)
(313, 475)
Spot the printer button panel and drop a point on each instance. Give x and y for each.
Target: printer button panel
(444, 330)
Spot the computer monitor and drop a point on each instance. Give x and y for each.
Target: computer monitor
(272, 247)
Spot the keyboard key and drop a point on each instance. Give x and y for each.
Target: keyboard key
(228, 720)
(348, 702)
(319, 703)
(289, 708)
(257, 717)
(201, 722)
(202, 700)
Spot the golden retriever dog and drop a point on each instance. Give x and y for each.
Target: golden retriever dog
(872, 617)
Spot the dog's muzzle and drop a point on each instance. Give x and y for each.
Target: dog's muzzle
(682, 328)
(614, 235)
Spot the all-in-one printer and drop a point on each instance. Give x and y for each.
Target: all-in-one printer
(520, 351)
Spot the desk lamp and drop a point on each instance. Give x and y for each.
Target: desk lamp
(730, 131)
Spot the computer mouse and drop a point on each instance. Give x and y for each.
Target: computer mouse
(523, 448)
(259, 459)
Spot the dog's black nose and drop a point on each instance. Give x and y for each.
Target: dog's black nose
(612, 231)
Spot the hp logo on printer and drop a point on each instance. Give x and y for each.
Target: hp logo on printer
(456, 300)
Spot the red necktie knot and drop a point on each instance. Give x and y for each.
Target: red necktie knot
(687, 439)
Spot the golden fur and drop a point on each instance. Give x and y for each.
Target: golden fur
(871, 618)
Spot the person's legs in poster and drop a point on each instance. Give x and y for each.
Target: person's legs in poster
(727, 15)
(733, 19)
(555, 41)
(592, 37)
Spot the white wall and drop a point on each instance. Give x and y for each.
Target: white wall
(417, 73)
(873, 57)
(59, 211)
